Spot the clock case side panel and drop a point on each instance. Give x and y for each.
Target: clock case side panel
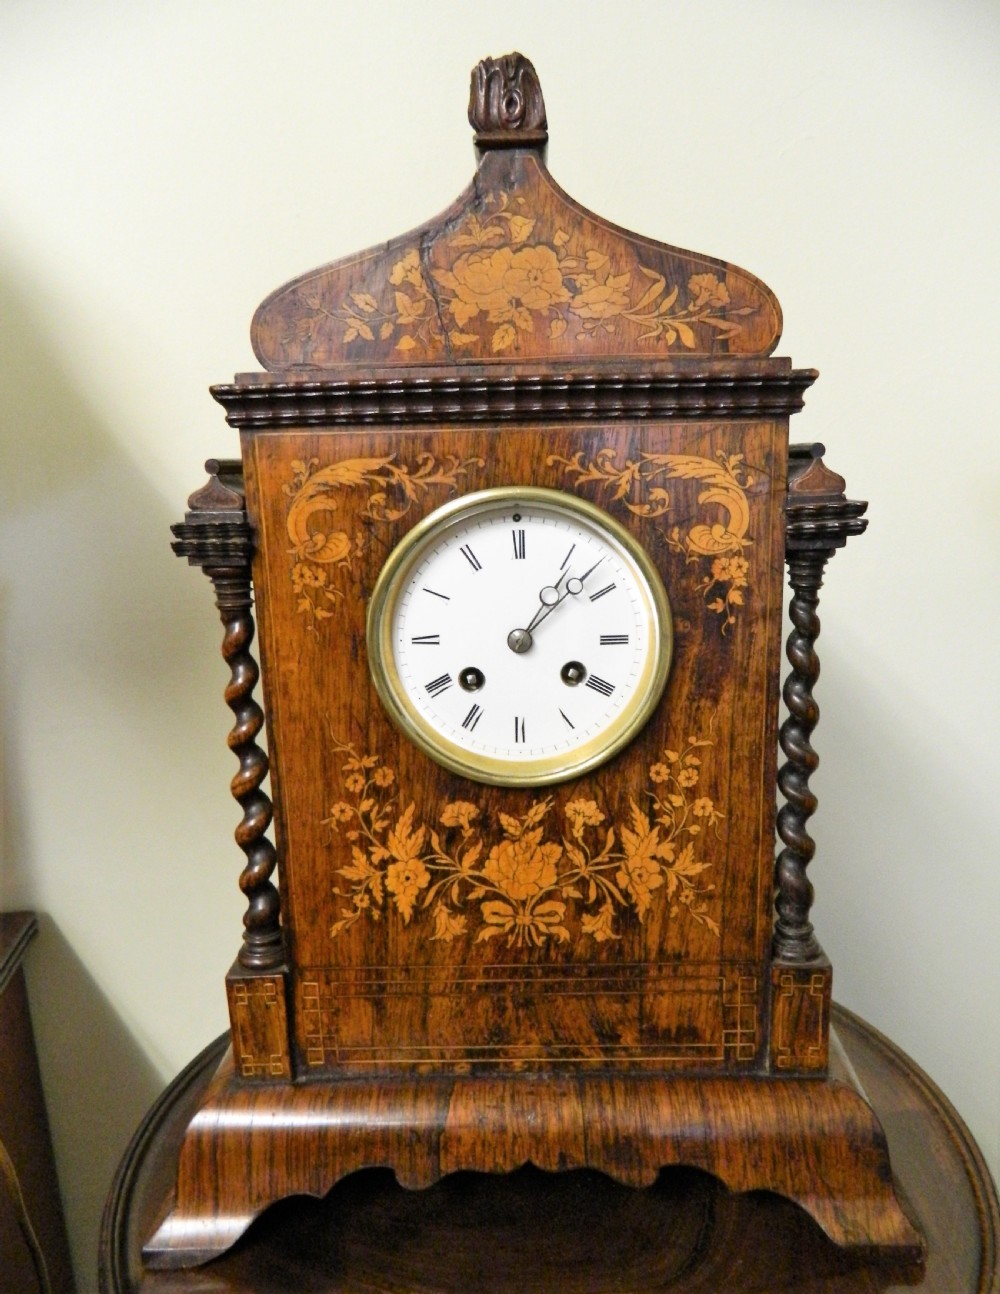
(304, 746)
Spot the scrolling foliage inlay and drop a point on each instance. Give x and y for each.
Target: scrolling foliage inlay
(321, 549)
(541, 876)
(319, 552)
(726, 482)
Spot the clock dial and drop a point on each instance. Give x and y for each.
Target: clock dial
(519, 636)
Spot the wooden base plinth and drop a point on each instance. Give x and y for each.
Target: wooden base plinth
(814, 1141)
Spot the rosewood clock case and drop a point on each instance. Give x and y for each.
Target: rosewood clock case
(611, 971)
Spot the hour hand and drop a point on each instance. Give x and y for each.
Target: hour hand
(549, 597)
(519, 640)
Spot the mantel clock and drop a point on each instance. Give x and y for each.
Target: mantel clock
(513, 506)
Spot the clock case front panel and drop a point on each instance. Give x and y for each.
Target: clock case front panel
(625, 999)
(622, 918)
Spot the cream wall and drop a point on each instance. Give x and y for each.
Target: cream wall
(163, 166)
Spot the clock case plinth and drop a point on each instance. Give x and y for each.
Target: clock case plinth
(520, 339)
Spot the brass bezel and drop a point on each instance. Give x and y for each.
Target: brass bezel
(489, 769)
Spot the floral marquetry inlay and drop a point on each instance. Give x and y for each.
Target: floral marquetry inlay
(722, 540)
(563, 875)
(321, 549)
(504, 279)
(515, 270)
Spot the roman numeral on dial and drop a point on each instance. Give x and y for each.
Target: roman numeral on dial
(519, 730)
(518, 538)
(601, 592)
(427, 640)
(472, 718)
(471, 557)
(614, 640)
(438, 685)
(600, 685)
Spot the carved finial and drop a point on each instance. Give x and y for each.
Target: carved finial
(506, 108)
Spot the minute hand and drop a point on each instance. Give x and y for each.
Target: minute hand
(574, 585)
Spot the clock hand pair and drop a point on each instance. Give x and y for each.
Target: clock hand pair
(519, 640)
(574, 585)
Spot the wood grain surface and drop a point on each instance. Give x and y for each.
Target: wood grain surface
(515, 269)
(813, 1141)
(34, 1252)
(666, 971)
(452, 977)
(577, 1232)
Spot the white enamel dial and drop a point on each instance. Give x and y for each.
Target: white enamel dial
(519, 636)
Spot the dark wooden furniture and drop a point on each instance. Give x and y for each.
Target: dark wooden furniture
(579, 951)
(578, 1233)
(34, 1254)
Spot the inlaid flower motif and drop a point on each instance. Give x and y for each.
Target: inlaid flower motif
(524, 879)
(602, 300)
(601, 925)
(477, 281)
(640, 876)
(534, 278)
(448, 925)
(707, 292)
(404, 881)
(523, 868)
(460, 813)
(730, 568)
(313, 577)
(582, 814)
(641, 871)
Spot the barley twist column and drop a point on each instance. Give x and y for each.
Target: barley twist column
(819, 520)
(216, 536)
